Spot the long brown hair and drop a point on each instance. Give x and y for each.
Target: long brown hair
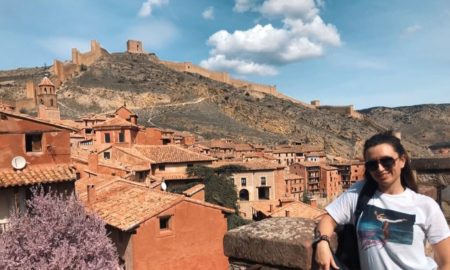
(406, 175)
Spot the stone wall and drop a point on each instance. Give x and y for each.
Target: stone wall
(220, 76)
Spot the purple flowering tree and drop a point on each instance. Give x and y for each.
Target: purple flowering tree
(56, 233)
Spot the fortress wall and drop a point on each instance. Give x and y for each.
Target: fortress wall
(220, 76)
(63, 71)
(89, 57)
(26, 103)
(344, 110)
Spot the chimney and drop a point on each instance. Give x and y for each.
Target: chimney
(133, 119)
(90, 194)
(288, 213)
(313, 203)
(93, 161)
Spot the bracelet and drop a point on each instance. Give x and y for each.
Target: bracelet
(321, 238)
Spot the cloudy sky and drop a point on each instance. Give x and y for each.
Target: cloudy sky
(362, 52)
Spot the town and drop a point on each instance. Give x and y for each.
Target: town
(140, 180)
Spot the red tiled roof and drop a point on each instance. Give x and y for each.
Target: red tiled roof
(191, 191)
(6, 128)
(115, 122)
(251, 165)
(37, 175)
(243, 147)
(297, 209)
(125, 204)
(169, 154)
(46, 81)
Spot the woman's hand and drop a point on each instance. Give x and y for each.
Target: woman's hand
(324, 257)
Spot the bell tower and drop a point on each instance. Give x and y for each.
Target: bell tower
(46, 93)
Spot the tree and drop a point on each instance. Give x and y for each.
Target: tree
(55, 232)
(220, 189)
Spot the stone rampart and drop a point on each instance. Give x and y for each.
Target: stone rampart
(343, 110)
(220, 76)
(89, 57)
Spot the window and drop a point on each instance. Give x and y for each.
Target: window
(121, 136)
(243, 182)
(161, 167)
(164, 223)
(263, 193)
(243, 195)
(263, 181)
(89, 131)
(33, 142)
(107, 138)
(106, 155)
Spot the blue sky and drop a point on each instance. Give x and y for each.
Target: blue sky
(362, 52)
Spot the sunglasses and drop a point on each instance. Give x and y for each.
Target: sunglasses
(387, 162)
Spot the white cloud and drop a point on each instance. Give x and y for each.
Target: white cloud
(165, 33)
(245, 5)
(147, 7)
(61, 47)
(411, 30)
(303, 35)
(208, 14)
(220, 62)
(289, 8)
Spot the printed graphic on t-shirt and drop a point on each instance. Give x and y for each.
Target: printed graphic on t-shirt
(378, 226)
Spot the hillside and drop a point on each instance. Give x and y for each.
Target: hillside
(184, 101)
(427, 124)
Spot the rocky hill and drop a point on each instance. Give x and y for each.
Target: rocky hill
(184, 101)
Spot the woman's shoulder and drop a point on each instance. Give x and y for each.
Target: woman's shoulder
(422, 199)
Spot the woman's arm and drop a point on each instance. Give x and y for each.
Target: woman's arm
(442, 254)
(324, 257)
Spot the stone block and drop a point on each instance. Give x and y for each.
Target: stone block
(278, 243)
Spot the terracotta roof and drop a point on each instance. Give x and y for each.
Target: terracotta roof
(191, 191)
(297, 209)
(125, 204)
(243, 147)
(251, 165)
(309, 163)
(115, 122)
(169, 154)
(6, 128)
(33, 175)
(46, 81)
(222, 144)
(315, 154)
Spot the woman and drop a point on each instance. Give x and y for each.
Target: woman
(396, 221)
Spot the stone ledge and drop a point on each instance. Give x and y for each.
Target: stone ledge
(274, 243)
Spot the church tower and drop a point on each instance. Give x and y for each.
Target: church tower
(46, 94)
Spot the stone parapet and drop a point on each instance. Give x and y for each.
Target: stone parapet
(274, 243)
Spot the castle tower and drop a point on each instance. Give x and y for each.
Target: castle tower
(46, 93)
(134, 46)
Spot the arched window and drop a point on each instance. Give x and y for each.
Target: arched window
(243, 195)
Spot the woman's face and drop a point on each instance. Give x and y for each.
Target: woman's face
(384, 165)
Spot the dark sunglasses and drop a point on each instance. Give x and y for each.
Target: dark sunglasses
(387, 162)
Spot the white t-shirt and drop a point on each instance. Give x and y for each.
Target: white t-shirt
(393, 228)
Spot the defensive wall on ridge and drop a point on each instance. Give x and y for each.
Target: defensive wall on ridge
(220, 76)
(66, 70)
